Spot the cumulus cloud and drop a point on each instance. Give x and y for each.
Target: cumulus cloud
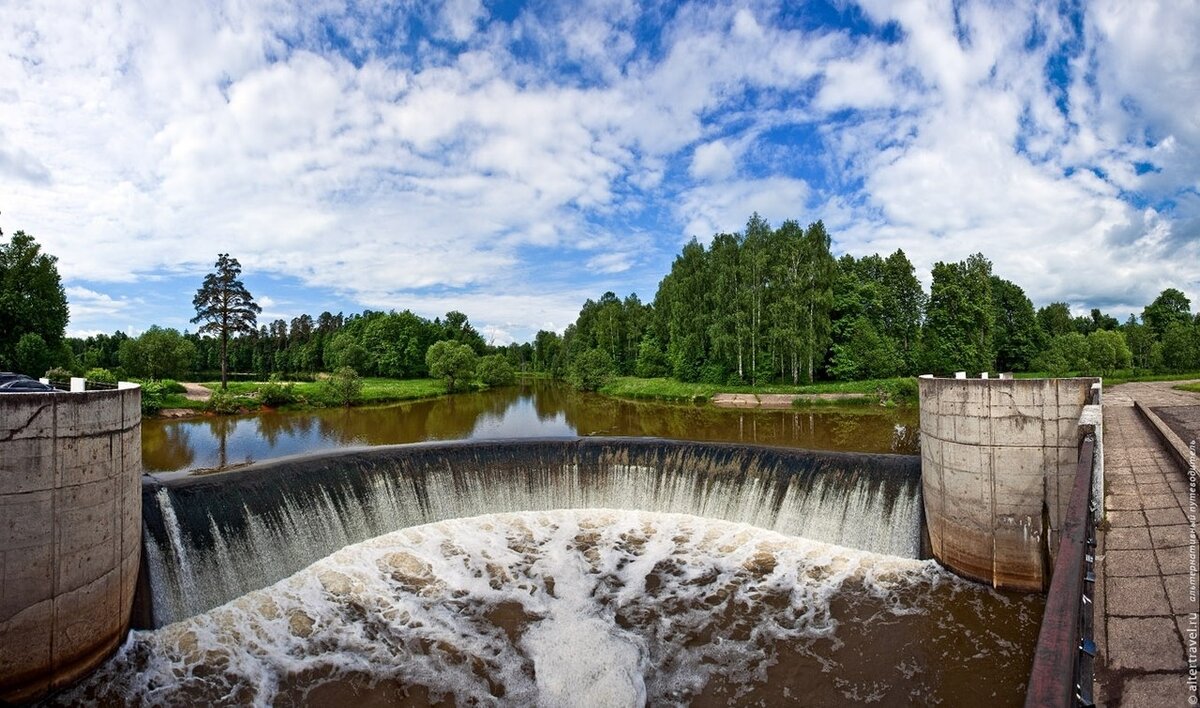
(386, 155)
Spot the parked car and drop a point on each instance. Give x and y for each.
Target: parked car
(6, 376)
(25, 385)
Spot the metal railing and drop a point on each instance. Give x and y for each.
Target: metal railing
(1066, 649)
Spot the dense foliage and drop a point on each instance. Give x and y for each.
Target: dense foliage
(772, 306)
(452, 361)
(33, 307)
(760, 307)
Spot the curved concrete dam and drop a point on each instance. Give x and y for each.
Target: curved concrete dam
(212, 538)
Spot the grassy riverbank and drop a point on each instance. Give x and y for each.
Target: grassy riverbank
(308, 394)
(374, 390)
(663, 389)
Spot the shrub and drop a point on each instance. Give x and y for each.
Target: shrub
(171, 386)
(452, 361)
(903, 390)
(590, 370)
(101, 376)
(153, 397)
(713, 373)
(276, 392)
(59, 374)
(227, 402)
(651, 359)
(494, 370)
(343, 387)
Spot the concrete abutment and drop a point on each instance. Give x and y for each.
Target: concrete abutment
(998, 460)
(70, 533)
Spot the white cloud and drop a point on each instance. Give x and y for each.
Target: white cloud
(141, 141)
(712, 160)
(725, 207)
(861, 82)
(86, 304)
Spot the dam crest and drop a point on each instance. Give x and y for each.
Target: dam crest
(211, 538)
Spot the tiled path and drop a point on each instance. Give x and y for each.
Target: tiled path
(1143, 603)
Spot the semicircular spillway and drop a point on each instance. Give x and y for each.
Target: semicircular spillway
(210, 539)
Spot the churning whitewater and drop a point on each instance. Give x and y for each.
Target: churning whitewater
(580, 607)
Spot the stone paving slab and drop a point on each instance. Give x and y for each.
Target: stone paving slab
(1144, 606)
(1184, 420)
(1153, 691)
(1145, 644)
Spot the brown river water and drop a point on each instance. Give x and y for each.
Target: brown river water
(534, 410)
(576, 607)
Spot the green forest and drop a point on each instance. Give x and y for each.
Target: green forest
(773, 306)
(765, 306)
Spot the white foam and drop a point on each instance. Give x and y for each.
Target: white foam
(604, 607)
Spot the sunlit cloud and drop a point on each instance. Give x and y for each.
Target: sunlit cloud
(443, 156)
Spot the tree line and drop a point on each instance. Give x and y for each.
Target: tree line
(772, 305)
(764, 305)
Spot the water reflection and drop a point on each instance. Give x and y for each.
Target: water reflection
(538, 409)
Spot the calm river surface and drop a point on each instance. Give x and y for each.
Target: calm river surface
(538, 409)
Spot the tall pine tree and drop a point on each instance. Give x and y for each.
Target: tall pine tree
(225, 307)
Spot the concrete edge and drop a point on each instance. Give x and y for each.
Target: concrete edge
(1177, 447)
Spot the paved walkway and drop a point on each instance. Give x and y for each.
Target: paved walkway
(1144, 600)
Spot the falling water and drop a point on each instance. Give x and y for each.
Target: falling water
(588, 607)
(212, 539)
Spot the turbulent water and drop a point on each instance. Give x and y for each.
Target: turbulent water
(589, 607)
(212, 539)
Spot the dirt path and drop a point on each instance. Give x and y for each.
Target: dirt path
(196, 392)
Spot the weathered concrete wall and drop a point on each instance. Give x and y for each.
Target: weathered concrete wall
(998, 458)
(70, 533)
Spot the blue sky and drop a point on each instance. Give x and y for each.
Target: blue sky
(512, 159)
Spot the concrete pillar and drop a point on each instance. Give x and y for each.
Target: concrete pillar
(78, 385)
(998, 459)
(960, 374)
(983, 375)
(70, 533)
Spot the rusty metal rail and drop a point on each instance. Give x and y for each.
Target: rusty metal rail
(1062, 665)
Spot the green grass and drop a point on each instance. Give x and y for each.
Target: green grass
(177, 400)
(375, 390)
(663, 389)
(1194, 388)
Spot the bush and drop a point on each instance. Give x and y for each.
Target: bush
(453, 362)
(903, 390)
(590, 370)
(713, 373)
(171, 386)
(153, 396)
(227, 402)
(343, 387)
(101, 376)
(59, 374)
(276, 392)
(651, 359)
(494, 370)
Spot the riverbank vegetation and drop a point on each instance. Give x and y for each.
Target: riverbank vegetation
(771, 307)
(894, 390)
(763, 310)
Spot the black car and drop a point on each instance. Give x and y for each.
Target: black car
(6, 376)
(25, 384)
